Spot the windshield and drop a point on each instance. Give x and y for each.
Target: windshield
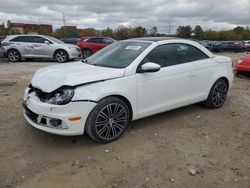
(55, 40)
(118, 55)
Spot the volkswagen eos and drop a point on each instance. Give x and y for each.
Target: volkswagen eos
(125, 81)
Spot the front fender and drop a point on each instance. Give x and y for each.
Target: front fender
(124, 87)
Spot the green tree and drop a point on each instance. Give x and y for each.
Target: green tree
(239, 30)
(61, 33)
(140, 31)
(184, 31)
(8, 27)
(73, 33)
(211, 35)
(88, 32)
(198, 32)
(107, 32)
(121, 33)
(153, 31)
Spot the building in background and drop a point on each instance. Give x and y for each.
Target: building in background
(22, 28)
(45, 29)
(73, 31)
(16, 28)
(69, 27)
(2, 30)
(31, 29)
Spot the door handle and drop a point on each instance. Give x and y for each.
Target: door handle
(192, 74)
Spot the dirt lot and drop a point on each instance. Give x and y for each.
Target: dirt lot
(159, 151)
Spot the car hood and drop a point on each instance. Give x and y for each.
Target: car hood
(72, 74)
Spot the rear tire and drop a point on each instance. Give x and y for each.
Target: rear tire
(14, 55)
(61, 56)
(108, 120)
(217, 95)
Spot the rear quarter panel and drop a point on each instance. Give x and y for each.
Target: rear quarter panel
(210, 70)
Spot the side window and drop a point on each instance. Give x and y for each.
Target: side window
(174, 54)
(107, 41)
(21, 39)
(95, 40)
(194, 54)
(164, 55)
(37, 39)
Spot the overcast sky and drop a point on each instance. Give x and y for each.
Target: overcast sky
(214, 14)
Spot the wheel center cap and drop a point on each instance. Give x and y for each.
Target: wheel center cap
(111, 121)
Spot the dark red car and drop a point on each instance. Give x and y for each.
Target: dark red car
(243, 65)
(91, 45)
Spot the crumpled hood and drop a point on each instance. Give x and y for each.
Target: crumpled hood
(71, 74)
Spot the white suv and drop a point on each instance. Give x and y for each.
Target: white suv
(17, 47)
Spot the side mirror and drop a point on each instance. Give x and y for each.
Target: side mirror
(149, 67)
(46, 42)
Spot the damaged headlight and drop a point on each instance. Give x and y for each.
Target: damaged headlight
(61, 97)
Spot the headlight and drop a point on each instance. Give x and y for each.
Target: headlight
(70, 47)
(61, 97)
(5, 44)
(78, 49)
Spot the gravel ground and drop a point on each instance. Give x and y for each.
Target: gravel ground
(188, 147)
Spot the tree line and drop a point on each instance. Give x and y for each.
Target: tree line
(123, 32)
(238, 33)
(120, 33)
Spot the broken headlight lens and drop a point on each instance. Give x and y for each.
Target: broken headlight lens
(61, 97)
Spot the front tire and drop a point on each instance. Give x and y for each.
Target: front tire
(61, 56)
(217, 95)
(108, 120)
(86, 53)
(14, 55)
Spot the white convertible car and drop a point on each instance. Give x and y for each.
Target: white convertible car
(125, 81)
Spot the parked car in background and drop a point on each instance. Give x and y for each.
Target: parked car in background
(1, 39)
(243, 65)
(206, 44)
(91, 45)
(17, 47)
(229, 46)
(70, 40)
(125, 81)
(247, 44)
(1, 48)
(1, 52)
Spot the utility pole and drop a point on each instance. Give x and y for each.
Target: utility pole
(64, 19)
(169, 28)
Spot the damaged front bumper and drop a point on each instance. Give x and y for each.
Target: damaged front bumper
(67, 120)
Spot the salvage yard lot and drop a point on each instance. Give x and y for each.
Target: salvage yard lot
(159, 151)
